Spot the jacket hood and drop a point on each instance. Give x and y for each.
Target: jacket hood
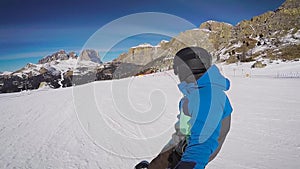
(212, 77)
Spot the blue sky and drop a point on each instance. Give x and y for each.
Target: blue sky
(32, 29)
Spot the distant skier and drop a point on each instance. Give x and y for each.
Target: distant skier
(205, 113)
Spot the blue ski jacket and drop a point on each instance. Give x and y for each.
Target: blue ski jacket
(203, 106)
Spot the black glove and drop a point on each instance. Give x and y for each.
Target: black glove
(173, 159)
(176, 154)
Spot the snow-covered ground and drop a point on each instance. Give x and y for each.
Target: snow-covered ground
(115, 124)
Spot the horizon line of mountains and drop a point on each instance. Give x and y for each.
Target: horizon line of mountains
(274, 35)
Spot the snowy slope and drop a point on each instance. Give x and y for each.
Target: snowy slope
(115, 124)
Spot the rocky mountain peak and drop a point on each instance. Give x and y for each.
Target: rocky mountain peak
(90, 55)
(60, 55)
(290, 4)
(73, 55)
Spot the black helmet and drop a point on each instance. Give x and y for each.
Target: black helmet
(191, 62)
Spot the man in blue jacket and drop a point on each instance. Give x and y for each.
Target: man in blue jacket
(203, 106)
(205, 113)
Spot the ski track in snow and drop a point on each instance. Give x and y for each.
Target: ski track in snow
(40, 129)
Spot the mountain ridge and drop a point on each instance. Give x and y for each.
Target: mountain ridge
(271, 36)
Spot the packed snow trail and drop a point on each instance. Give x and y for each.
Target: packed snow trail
(40, 130)
(45, 129)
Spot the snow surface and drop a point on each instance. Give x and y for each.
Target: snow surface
(115, 124)
(164, 41)
(147, 45)
(6, 73)
(291, 38)
(144, 45)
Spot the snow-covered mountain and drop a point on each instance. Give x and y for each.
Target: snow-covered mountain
(56, 70)
(64, 70)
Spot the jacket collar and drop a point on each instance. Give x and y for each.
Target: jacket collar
(211, 77)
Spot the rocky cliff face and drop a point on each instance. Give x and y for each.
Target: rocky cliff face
(268, 35)
(211, 35)
(146, 53)
(220, 33)
(285, 18)
(142, 54)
